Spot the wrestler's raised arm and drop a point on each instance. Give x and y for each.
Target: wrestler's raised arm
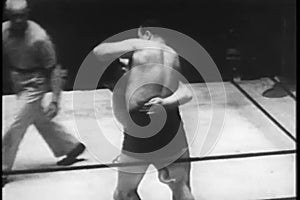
(114, 50)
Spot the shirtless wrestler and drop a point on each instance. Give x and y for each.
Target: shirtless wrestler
(150, 84)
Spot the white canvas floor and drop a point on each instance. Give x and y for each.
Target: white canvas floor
(245, 129)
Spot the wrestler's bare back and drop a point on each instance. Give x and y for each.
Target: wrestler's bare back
(149, 77)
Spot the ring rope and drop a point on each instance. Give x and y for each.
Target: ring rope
(264, 111)
(130, 164)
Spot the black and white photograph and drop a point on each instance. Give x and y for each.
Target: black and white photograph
(149, 100)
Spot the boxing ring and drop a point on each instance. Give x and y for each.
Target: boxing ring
(254, 158)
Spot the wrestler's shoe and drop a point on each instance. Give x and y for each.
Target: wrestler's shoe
(71, 157)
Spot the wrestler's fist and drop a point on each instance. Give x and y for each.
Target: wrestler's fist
(154, 105)
(52, 110)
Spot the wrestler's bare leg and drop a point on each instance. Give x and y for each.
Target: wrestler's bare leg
(177, 177)
(129, 179)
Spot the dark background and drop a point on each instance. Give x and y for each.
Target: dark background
(265, 30)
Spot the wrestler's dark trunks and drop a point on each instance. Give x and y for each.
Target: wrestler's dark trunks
(162, 138)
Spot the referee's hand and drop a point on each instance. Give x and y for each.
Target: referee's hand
(52, 110)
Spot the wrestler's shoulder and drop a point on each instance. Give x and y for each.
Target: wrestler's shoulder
(171, 55)
(170, 52)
